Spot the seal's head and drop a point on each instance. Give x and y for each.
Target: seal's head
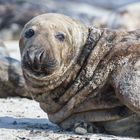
(49, 42)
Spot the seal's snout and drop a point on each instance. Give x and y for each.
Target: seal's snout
(33, 58)
(38, 61)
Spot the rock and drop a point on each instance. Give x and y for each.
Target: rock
(80, 130)
(127, 17)
(11, 79)
(84, 128)
(16, 13)
(108, 4)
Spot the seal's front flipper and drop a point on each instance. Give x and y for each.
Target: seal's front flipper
(126, 82)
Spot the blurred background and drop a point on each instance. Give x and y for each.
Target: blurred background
(115, 14)
(22, 119)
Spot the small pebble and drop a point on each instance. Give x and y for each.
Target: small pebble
(80, 130)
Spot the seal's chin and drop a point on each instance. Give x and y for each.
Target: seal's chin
(45, 71)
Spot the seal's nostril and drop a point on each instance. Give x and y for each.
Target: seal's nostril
(28, 57)
(33, 59)
(29, 33)
(42, 56)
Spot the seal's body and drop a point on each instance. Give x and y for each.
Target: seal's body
(81, 74)
(12, 82)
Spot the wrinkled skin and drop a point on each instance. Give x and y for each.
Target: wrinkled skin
(83, 76)
(12, 82)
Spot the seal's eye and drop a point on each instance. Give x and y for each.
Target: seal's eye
(29, 33)
(60, 36)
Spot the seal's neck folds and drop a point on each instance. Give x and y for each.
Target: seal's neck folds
(55, 80)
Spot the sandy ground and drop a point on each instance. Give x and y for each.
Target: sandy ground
(22, 119)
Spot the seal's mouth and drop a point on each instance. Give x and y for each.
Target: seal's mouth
(38, 62)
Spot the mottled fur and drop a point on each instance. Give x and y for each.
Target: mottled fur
(96, 79)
